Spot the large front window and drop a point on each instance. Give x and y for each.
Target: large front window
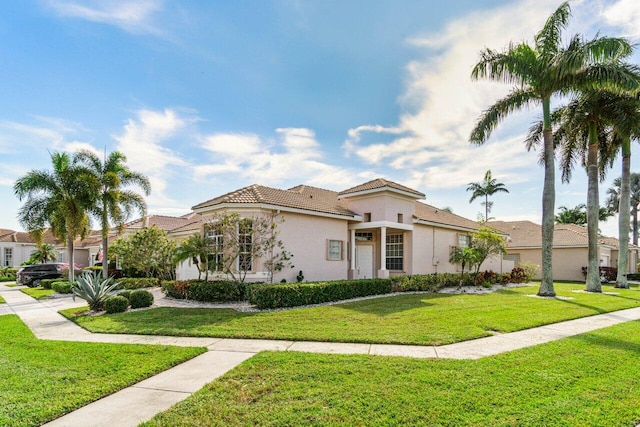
(8, 257)
(245, 240)
(395, 252)
(215, 237)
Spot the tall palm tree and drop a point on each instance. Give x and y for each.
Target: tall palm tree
(59, 199)
(613, 201)
(488, 187)
(114, 201)
(195, 248)
(539, 72)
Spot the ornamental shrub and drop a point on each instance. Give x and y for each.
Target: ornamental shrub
(7, 279)
(116, 304)
(176, 288)
(61, 287)
(93, 289)
(415, 283)
(138, 282)
(216, 291)
(126, 293)
(518, 275)
(46, 283)
(140, 298)
(530, 270)
(297, 294)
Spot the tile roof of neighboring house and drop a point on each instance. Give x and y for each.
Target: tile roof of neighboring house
(527, 234)
(439, 216)
(163, 222)
(24, 237)
(381, 183)
(192, 226)
(300, 197)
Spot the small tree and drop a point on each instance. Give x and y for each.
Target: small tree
(464, 257)
(246, 239)
(486, 242)
(44, 253)
(195, 248)
(147, 253)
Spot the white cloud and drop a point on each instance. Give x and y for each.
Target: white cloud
(295, 156)
(441, 103)
(133, 16)
(626, 15)
(142, 143)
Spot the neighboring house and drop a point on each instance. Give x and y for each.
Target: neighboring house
(570, 248)
(377, 229)
(16, 247)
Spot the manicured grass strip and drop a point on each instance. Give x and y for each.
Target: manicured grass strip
(430, 319)
(11, 285)
(2, 301)
(587, 380)
(42, 380)
(38, 293)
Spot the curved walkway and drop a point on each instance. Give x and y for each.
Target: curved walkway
(142, 401)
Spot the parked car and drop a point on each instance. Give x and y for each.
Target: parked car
(31, 275)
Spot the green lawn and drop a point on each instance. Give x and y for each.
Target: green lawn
(586, 380)
(432, 319)
(39, 292)
(2, 301)
(42, 380)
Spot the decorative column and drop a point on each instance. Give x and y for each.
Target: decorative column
(383, 273)
(353, 249)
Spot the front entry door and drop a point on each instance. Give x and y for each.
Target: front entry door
(364, 262)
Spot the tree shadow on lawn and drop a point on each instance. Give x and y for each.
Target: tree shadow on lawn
(595, 338)
(387, 305)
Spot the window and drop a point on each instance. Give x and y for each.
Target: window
(400, 218)
(213, 233)
(334, 250)
(464, 240)
(245, 239)
(362, 236)
(395, 251)
(367, 217)
(8, 257)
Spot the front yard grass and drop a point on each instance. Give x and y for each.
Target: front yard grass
(42, 380)
(39, 292)
(427, 319)
(2, 300)
(586, 380)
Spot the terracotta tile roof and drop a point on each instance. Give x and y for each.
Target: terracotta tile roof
(300, 197)
(527, 234)
(24, 237)
(194, 226)
(163, 222)
(380, 183)
(430, 213)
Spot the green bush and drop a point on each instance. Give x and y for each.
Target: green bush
(46, 283)
(176, 288)
(138, 282)
(93, 268)
(416, 283)
(7, 279)
(61, 287)
(126, 293)
(633, 276)
(116, 304)
(530, 270)
(296, 294)
(216, 291)
(140, 298)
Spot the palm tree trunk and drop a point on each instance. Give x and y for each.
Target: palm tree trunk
(593, 208)
(486, 208)
(548, 204)
(70, 256)
(105, 240)
(624, 216)
(635, 225)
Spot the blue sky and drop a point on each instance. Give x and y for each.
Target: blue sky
(206, 97)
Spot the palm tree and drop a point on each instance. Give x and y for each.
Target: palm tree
(578, 215)
(488, 187)
(195, 248)
(46, 252)
(114, 202)
(613, 202)
(539, 72)
(585, 124)
(59, 199)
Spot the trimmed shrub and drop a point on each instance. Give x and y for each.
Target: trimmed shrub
(46, 283)
(93, 268)
(116, 304)
(216, 291)
(61, 287)
(416, 283)
(7, 279)
(138, 282)
(297, 294)
(140, 298)
(175, 288)
(126, 293)
(633, 276)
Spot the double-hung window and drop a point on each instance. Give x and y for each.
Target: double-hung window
(8, 257)
(214, 235)
(245, 240)
(395, 252)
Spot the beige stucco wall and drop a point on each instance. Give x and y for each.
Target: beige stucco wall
(567, 262)
(383, 207)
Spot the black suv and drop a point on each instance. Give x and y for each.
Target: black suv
(31, 275)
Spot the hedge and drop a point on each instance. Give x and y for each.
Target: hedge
(7, 279)
(215, 291)
(140, 298)
(137, 283)
(46, 283)
(61, 287)
(296, 294)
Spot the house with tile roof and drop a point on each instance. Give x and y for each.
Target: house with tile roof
(373, 230)
(570, 248)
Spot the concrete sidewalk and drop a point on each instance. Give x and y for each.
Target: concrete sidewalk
(141, 401)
